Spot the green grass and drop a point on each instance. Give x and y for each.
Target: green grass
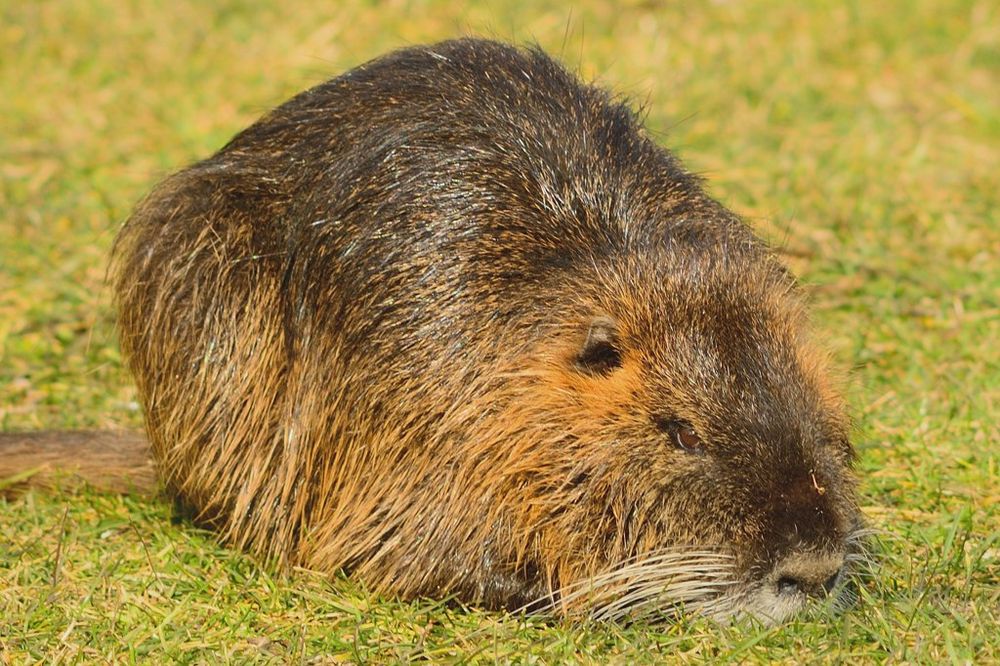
(863, 138)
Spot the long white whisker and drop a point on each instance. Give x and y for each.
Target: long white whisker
(678, 568)
(633, 566)
(659, 597)
(666, 579)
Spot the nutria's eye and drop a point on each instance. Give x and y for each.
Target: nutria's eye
(599, 354)
(681, 433)
(687, 438)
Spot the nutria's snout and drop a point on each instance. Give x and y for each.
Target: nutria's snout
(811, 539)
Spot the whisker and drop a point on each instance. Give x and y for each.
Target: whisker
(639, 585)
(866, 532)
(631, 574)
(696, 560)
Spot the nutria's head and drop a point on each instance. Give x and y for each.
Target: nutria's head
(704, 459)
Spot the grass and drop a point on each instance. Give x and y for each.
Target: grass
(863, 138)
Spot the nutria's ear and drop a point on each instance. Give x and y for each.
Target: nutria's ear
(600, 353)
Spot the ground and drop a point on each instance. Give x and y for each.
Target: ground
(863, 139)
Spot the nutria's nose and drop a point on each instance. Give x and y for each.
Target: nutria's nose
(814, 576)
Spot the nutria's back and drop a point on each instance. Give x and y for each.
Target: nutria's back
(452, 322)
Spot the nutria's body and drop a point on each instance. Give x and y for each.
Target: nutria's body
(453, 323)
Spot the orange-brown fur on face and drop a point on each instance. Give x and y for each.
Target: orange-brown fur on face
(426, 322)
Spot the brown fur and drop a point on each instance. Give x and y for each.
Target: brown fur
(437, 322)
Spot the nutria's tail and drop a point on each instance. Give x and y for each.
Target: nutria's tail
(114, 461)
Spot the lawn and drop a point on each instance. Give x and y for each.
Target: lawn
(863, 139)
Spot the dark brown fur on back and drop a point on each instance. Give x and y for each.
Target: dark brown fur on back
(437, 322)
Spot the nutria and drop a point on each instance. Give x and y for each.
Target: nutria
(454, 324)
